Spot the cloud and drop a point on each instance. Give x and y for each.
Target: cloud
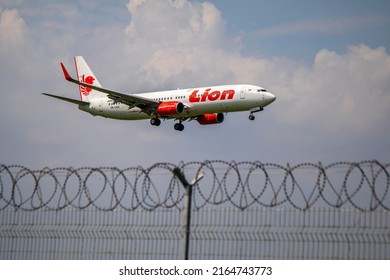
(154, 21)
(326, 26)
(12, 29)
(180, 37)
(341, 91)
(341, 97)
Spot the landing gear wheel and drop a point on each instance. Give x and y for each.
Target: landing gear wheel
(179, 126)
(251, 117)
(155, 122)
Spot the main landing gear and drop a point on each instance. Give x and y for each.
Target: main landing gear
(254, 110)
(156, 122)
(179, 126)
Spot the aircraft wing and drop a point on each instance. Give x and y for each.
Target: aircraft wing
(74, 101)
(132, 100)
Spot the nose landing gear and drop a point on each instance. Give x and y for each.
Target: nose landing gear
(254, 110)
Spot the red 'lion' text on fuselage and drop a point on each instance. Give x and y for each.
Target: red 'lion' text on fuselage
(211, 96)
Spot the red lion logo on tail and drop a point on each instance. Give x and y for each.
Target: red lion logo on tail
(88, 80)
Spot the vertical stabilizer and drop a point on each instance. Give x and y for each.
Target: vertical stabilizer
(85, 75)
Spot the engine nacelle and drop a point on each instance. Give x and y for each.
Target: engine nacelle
(210, 118)
(170, 108)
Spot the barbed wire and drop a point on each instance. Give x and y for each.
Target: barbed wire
(361, 185)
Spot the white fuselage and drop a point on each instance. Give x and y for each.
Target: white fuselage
(197, 101)
(206, 105)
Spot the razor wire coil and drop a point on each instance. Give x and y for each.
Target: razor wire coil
(362, 185)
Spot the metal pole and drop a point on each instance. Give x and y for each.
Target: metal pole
(187, 209)
(187, 213)
(187, 206)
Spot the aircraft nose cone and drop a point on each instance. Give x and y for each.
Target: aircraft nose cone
(270, 97)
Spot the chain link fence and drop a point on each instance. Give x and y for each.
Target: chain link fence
(244, 210)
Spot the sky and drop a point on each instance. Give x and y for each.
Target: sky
(327, 62)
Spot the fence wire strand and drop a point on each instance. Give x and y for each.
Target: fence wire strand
(362, 185)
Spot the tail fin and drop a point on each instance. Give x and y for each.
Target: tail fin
(85, 75)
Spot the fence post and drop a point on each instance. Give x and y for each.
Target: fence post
(187, 206)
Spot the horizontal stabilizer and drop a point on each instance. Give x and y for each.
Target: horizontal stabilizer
(74, 101)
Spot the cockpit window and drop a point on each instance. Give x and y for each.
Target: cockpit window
(261, 90)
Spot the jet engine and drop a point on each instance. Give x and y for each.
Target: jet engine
(210, 118)
(170, 108)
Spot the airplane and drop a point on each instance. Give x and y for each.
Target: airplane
(207, 105)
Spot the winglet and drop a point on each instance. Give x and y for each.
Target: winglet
(66, 74)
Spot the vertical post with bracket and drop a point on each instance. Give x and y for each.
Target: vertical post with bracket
(187, 206)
